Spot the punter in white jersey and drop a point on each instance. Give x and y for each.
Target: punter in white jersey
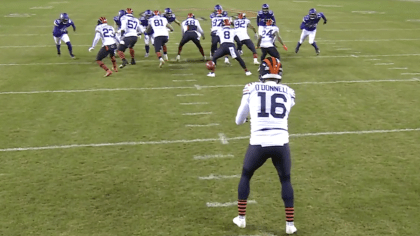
(106, 33)
(227, 47)
(217, 20)
(241, 26)
(268, 103)
(130, 30)
(191, 31)
(267, 34)
(159, 25)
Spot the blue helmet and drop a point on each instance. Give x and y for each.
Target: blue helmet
(64, 17)
(265, 7)
(121, 13)
(312, 13)
(148, 13)
(218, 7)
(168, 11)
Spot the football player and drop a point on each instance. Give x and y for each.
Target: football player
(170, 16)
(117, 23)
(130, 30)
(191, 31)
(265, 14)
(241, 26)
(308, 28)
(266, 38)
(217, 8)
(217, 24)
(144, 22)
(107, 34)
(159, 24)
(60, 33)
(268, 103)
(227, 47)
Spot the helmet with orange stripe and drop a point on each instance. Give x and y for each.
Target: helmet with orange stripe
(241, 15)
(272, 69)
(156, 13)
(191, 15)
(226, 22)
(102, 20)
(129, 11)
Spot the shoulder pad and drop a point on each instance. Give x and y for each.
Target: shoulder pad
(248, 88)
(271, 12)
(260, 13)
(306, 18)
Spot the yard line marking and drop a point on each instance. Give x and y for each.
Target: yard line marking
(184, 80)
(38, 46)
(19, 35)
(197, 113)
(41, 8)
(203, 87)
(211, 176)
(213, 156)
(223, 138)
(198, 87)
(181, 74)
(48, 63)
(208, 125)
(195, 103)
(343, 49)
(189, 95)
(58, 2)
(398, 68)
(414, 20)
(373, 59)
(227, 204)
(329, 6)
(384, 64)
(410, 73)
(195, 140)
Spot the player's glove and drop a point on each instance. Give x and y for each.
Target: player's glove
(256, 36)
(204, 37)
(285, 48)
(257, 47)
(325, 22)
(91, 49)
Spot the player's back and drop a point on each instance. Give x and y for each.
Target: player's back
(190, 24)
(158, 23)
(130, 25)
(217, 22)
(107, 33)
(269, 107)
(267, 34)
(226, 35)
(241, 28)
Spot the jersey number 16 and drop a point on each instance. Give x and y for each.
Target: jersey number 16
(274, 105)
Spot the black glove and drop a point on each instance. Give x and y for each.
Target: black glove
(325, 22)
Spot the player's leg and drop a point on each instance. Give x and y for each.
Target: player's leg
(235, 55)
(66, 39)
(57, 41)
(272, 51)
(196, 40)
(312, 41)
(249, 44)
(184, 40)
(238, 44)
(165, 49)
(280, 156)
(220, 52)
(254, 158)
(111, 49)
(214, 41)
(159, 41)
(121, 49)
(133, 41)
(103, 52)
(146, 45)
(303, 36)
(263, 53)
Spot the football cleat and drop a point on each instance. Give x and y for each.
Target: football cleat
(248, 73)
(317, 51)
(124, 63)
(72, 56)
(133, 62)
(227, 62)
(240, 52)
(165, 56)
(211, 74)
(241, 223)
(204, 58)
(290, 229)
(115, 69)
(296, 50)
(178, 58)
(146, 55)
(59, 54)
(108, 73)
(256, 62)
(161, 62)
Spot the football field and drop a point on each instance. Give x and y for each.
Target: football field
(155, 151)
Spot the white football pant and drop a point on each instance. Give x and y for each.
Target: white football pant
(149, 38)
(64, 37)
(306, 33)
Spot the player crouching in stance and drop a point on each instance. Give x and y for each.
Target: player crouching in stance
(191, 30)
(159, 24)
(227, 47)
(241, 26)
(130, 29)
(60, 33)
(308, 28)
(268, 103)
(266, 38)
(107, 34)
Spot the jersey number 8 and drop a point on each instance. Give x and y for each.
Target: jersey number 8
(274, 105)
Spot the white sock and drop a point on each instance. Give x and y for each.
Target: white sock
(242, 217)
(290, 223)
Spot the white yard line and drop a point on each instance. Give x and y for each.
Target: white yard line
(202, 87)
(227, 204)
(48, 63)
(211, 177)
(213, 156)
(181, 75)
(194, 103)
(410, 73)
(197, 113)
(198, 87)
(398, 68)
(384, 64)
(373, 59)
(223, 138)
(196, 140)
(184, 80)
(343, 49)
(207, 125)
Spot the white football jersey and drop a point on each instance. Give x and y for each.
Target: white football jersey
(241, 27)
(226, 35)
(106, 33)
(158, 23)
(130, 25)
(217, 22)
(191, 24)
(267, 35)
(268, 105)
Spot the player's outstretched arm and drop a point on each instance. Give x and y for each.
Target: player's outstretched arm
(95, 41)
(169, 26)
(73, 25)
(280, 40)
(323, 17)
(243, 111)
(259, 41)
(176, 21)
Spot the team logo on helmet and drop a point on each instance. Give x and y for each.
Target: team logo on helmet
(129, 11)
(156, 12)
(241, 15)
(269, 22)
(271, 68)
(190, 15)
(226, 22)
(102, 20)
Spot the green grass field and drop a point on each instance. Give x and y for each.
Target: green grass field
(83, 155)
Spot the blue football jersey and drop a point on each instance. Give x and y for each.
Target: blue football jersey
(311, 24)
(261, 17)
(171, 17)
(117, 20)
(145, 22)
(60, 27)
